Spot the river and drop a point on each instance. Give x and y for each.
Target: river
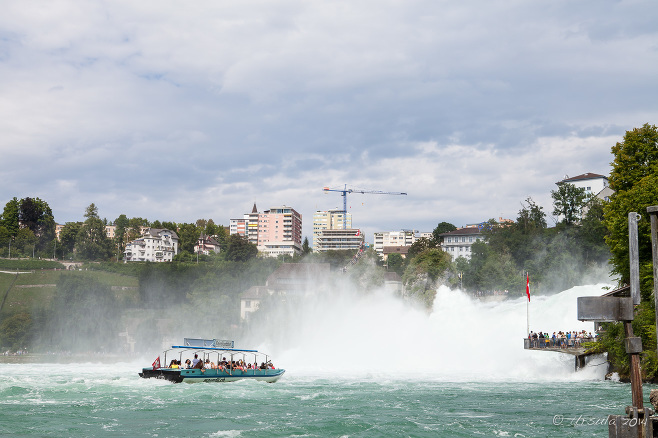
(374, 368)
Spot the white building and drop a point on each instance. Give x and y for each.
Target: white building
(393, 238)
(247, 226)
(458, 243)
(593, 183)
(329, 220)
(206, 244)
(155, 245)
(338, 240)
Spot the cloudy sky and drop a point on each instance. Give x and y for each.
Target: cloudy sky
(186, 110)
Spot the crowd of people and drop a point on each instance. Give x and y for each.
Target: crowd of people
(560, 339)
(223, 365)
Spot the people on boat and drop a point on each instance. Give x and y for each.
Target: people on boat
(174, 364)
(188, 364)
(196, 361)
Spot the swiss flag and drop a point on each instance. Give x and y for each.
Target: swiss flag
(156, 363)
(358, 232)
(527, 286)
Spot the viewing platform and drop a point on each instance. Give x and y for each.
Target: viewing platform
(568, 346)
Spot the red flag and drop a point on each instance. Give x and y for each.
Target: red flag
(527, 286)
(358, 232)
(156, 363)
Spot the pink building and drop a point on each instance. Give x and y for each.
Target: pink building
(280, 231)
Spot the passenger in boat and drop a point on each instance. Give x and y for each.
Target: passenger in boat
(263, 366)
(199, 365)
(207, 365)
(196, 361)
(174, 364)
(188, 364)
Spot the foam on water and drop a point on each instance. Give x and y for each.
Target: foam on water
(462, 338)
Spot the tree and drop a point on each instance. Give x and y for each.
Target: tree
(443, 227)
(636, 156)
(16, 331)
(395, 263)
(68, 235)
(9, 218)
(425, 272)
(188, 237)
(239, 249)
(306, 248)
(568, 201)
(592, 232)
(531, 217)
(92, 242)
(420, 246)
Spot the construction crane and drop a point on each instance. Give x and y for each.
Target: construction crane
(345, 191)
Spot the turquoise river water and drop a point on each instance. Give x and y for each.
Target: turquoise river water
(458, 372)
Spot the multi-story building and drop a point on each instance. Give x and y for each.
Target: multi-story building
(458, 243)
(336, 240)
(393, 239)
(155, 245)
(247, 226)
(329, 220)
(279, 231)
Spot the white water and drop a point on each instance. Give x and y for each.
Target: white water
(461, 339)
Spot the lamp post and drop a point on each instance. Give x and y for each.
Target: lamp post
(461, 280)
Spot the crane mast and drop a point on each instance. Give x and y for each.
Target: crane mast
(345, 191)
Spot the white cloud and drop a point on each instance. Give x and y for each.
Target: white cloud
(175, 113)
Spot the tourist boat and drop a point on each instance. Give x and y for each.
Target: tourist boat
(216, 351)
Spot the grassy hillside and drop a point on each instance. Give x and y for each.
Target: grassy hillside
(36, 289)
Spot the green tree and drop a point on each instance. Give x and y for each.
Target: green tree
(592, 232)
(532, 218)
(635, 157)
(568, 201)
(395, 263)
(25, 241)
(419, 246)
(188, 236)
(239, 249)
(92, 242)
(306, 248)
(426, 272)
(16, 331)
(67, 237)
(442, 227)
(9, 218)
(122, 224)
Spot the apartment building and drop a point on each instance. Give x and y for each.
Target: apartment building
(155, 245)
(337, 240)
(279, 231)
(458, 243)
(247, 226)
(329, 220)
(393, 239)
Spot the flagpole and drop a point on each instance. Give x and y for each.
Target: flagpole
(527, 303)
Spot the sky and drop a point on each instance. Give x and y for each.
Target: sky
(178, 111)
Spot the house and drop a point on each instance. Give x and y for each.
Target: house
(593, 183)
(206, 245)
(458, 243)
(155, 245)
